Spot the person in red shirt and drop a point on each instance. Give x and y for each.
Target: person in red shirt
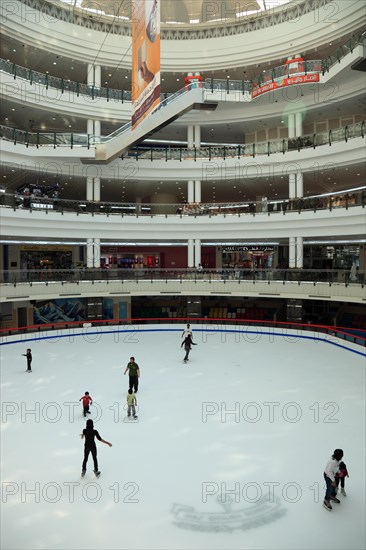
(87, 400)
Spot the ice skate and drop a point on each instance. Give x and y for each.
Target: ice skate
(335, 499)
(83, 472)
(343, 492)
(97, 473)
(327, 505)
(135, 417)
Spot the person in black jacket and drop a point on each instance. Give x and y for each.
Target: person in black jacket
(90, 434)
(28, 355)
(187, 343)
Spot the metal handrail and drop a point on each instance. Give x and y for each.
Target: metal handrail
(341, 199)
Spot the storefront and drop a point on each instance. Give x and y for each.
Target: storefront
(45, 257)
(249, 257)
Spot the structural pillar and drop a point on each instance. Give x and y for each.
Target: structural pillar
(298, 124)
(190, 194)
(300, 252)
(291, 125)
(292, 252)
(89, 188)
(96, 250)
(292, 186)
(97, 189)
(197, 252)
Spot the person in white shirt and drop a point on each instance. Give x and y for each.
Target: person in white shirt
(187, 332)
(330, 470)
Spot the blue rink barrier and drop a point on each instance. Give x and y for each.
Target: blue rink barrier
(196, 330)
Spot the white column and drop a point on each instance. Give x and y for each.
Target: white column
(89, 74)
(89, 189)
(190, 253)
(299, 184)
(89, 253)
(97, 189)
(197, 252)
(298, 124)
(190, 193)
(97, 130)
(138, 205)
(97, 76)
(197, 136)
(299, 252)
(90, 127)
(292, 186)
(291, 125)
(292, 252)
(190, 138)
(96, 249)
(197, 191)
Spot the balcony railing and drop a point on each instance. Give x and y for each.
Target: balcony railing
(342, 199)
(120, 95)
(264, 148)
(311, 276)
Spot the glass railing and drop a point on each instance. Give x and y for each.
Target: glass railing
(164, 103)
(268, 207)
(243, 86)
(59, 139)
(251, 149)
(239, 274)
(45, 139)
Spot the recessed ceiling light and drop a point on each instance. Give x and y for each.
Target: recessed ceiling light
(13, 109)
(54, 63)
(14, 50)
(72, 68)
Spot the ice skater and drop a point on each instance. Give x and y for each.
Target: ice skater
(134, 374)
(90, 447)
(330, 471)
(131, 404)
(28, 355)
(341, 477)
(187, 343)
(187, 332)
(87, 400)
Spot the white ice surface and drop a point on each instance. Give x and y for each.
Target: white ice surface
(164, 460)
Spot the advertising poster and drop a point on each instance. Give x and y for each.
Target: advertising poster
(145, 58)
(59, 310)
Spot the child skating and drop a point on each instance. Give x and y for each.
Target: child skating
(87, 400)
(90, 447)
(28, 355)
(131, 404)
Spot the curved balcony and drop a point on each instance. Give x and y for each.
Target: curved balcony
(340, 199)
(53, 140)
(302, 284)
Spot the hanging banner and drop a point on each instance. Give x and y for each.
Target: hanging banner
(284, 82)
(145, 58)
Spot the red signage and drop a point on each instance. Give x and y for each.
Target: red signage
(284, 82)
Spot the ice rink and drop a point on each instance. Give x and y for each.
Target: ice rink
(228, 451)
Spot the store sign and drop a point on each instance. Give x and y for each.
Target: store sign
(145, 58)
(284, 83)
(45, 248)
(248, 249)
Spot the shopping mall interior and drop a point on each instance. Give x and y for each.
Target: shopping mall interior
(233, 195)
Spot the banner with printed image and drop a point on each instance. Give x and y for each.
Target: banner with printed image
(145, 58)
